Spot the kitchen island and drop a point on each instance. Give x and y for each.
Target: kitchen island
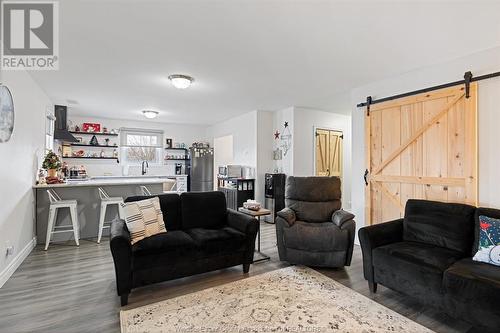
(86, 193)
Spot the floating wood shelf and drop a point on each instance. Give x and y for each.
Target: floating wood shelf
(94, 133)
(185, 149)
(97, 146)
(176, 159)
(92, 158)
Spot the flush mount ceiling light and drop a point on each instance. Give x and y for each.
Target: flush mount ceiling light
(181, 81)
(150, 114)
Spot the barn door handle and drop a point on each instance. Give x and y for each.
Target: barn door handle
(366, 177)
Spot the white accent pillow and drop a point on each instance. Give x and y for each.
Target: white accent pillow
(143, 218)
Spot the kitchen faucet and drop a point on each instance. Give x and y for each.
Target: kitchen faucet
(145, 167)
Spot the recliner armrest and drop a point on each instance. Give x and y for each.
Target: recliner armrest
(340, 216)
(377, 235)
(288, 215)
(242, 222)
(121, 249)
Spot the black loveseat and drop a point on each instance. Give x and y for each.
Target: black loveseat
(202, 235)
(428, 255)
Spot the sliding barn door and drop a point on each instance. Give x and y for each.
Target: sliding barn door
(422, 146)
(328, 153)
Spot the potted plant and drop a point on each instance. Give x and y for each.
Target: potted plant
(51, 163)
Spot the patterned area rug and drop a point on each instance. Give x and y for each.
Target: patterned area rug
(292, 299)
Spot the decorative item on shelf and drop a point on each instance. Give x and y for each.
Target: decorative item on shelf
(77, 128)
(94, 141)
(286, 139)
(106, 140)
(79, 153)
(66, 151)
(113, 131)
(115, 153)
(102, 153)
(168, 143)
(277, 154)
(91, 127)
(51, 163)
(105, 129)
(79, 139)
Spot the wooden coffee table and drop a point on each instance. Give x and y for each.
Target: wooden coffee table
(257, 214)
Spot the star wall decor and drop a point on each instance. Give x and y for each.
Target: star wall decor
(286, 124)
(276, 135)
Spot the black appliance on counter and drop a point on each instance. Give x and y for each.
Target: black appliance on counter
(274, 191)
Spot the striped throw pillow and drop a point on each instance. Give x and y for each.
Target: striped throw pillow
(143, 218)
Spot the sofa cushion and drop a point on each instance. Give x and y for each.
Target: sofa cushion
(165, 242)
(473, 291)
(163, 249)
(448, 225)
(315, 237)
(218, 241)
(415, 269)
(203, 210)
(170, 205)
(314, 199)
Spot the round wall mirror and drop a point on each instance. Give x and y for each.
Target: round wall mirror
(6, 114)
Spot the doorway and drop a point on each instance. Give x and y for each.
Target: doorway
(223, 154)
(328, 152)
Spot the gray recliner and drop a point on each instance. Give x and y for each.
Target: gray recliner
(313, 230)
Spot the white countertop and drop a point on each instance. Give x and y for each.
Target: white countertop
(113, 180)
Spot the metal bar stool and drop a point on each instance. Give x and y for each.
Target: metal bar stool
(106, 200)
(145, 191)
(56, 203)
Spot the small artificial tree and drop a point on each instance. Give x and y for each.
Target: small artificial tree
(51, 163)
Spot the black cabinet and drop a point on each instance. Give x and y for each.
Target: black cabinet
(236, 190)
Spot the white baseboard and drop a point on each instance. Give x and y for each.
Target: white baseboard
(16, 262)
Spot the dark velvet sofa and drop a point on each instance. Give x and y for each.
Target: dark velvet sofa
(428, 255)
(202, 235)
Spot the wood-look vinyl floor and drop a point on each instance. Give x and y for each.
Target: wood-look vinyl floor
(72, 289)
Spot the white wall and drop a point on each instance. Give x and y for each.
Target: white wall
(21, 157)
(489, 120)
(286, 164)
(223, 154)
(305, 121)
(264, 151)
(244, 131)
(252, 143)
(181, 133)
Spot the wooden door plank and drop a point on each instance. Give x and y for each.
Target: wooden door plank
(471, 148)
(393, 198)
(456, 150)
(368, 162)
(391, 140)
(424, 128)
(438, 181)
(429, 96)
(376, 159)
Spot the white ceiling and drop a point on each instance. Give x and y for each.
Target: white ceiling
(115, 56)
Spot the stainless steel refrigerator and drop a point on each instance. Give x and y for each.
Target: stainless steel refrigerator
(201, 169)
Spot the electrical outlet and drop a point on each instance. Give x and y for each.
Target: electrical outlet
(9, 249)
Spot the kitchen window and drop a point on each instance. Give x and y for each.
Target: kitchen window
(139, 145)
